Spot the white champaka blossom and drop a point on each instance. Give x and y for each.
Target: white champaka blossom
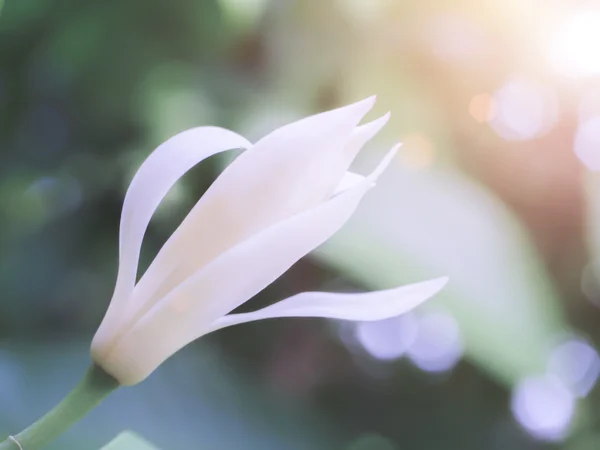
(276, 202)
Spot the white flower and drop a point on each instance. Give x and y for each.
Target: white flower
(281, 198)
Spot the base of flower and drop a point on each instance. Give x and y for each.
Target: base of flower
(91, 390)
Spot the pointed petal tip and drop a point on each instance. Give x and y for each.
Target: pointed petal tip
(381, 121)
(439, 283)
(370, 129)
(385, 162)
(432, 287)
(353, 111)
(395, 149)
(366, 103)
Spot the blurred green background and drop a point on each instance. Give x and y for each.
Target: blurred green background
(498, 106)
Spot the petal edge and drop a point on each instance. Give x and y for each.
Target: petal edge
(369, 306)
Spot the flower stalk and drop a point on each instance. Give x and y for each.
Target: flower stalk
(95, 385)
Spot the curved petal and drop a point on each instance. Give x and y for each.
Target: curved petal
(290, 170)
(226, 282)
(367, 306)
(157, 174)
(349, 180)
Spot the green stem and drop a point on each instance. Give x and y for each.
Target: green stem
(91, 390)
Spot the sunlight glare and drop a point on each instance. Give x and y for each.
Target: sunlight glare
(574, 48)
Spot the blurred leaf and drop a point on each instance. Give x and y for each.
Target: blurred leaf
(420, 225)
(128, 440)
(193, 401)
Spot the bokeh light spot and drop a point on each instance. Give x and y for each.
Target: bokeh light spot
(417, 152)
(387, 339)
(587, 143)
(438, 345)
(577, 365)
(524, 110)
(589, 103)
(544, 407)
(482, 107)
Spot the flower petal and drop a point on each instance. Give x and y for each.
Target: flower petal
(367, 306)
(226, 282)
(349, 180)
(360, 136)
(290, 170)
(157, 174)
